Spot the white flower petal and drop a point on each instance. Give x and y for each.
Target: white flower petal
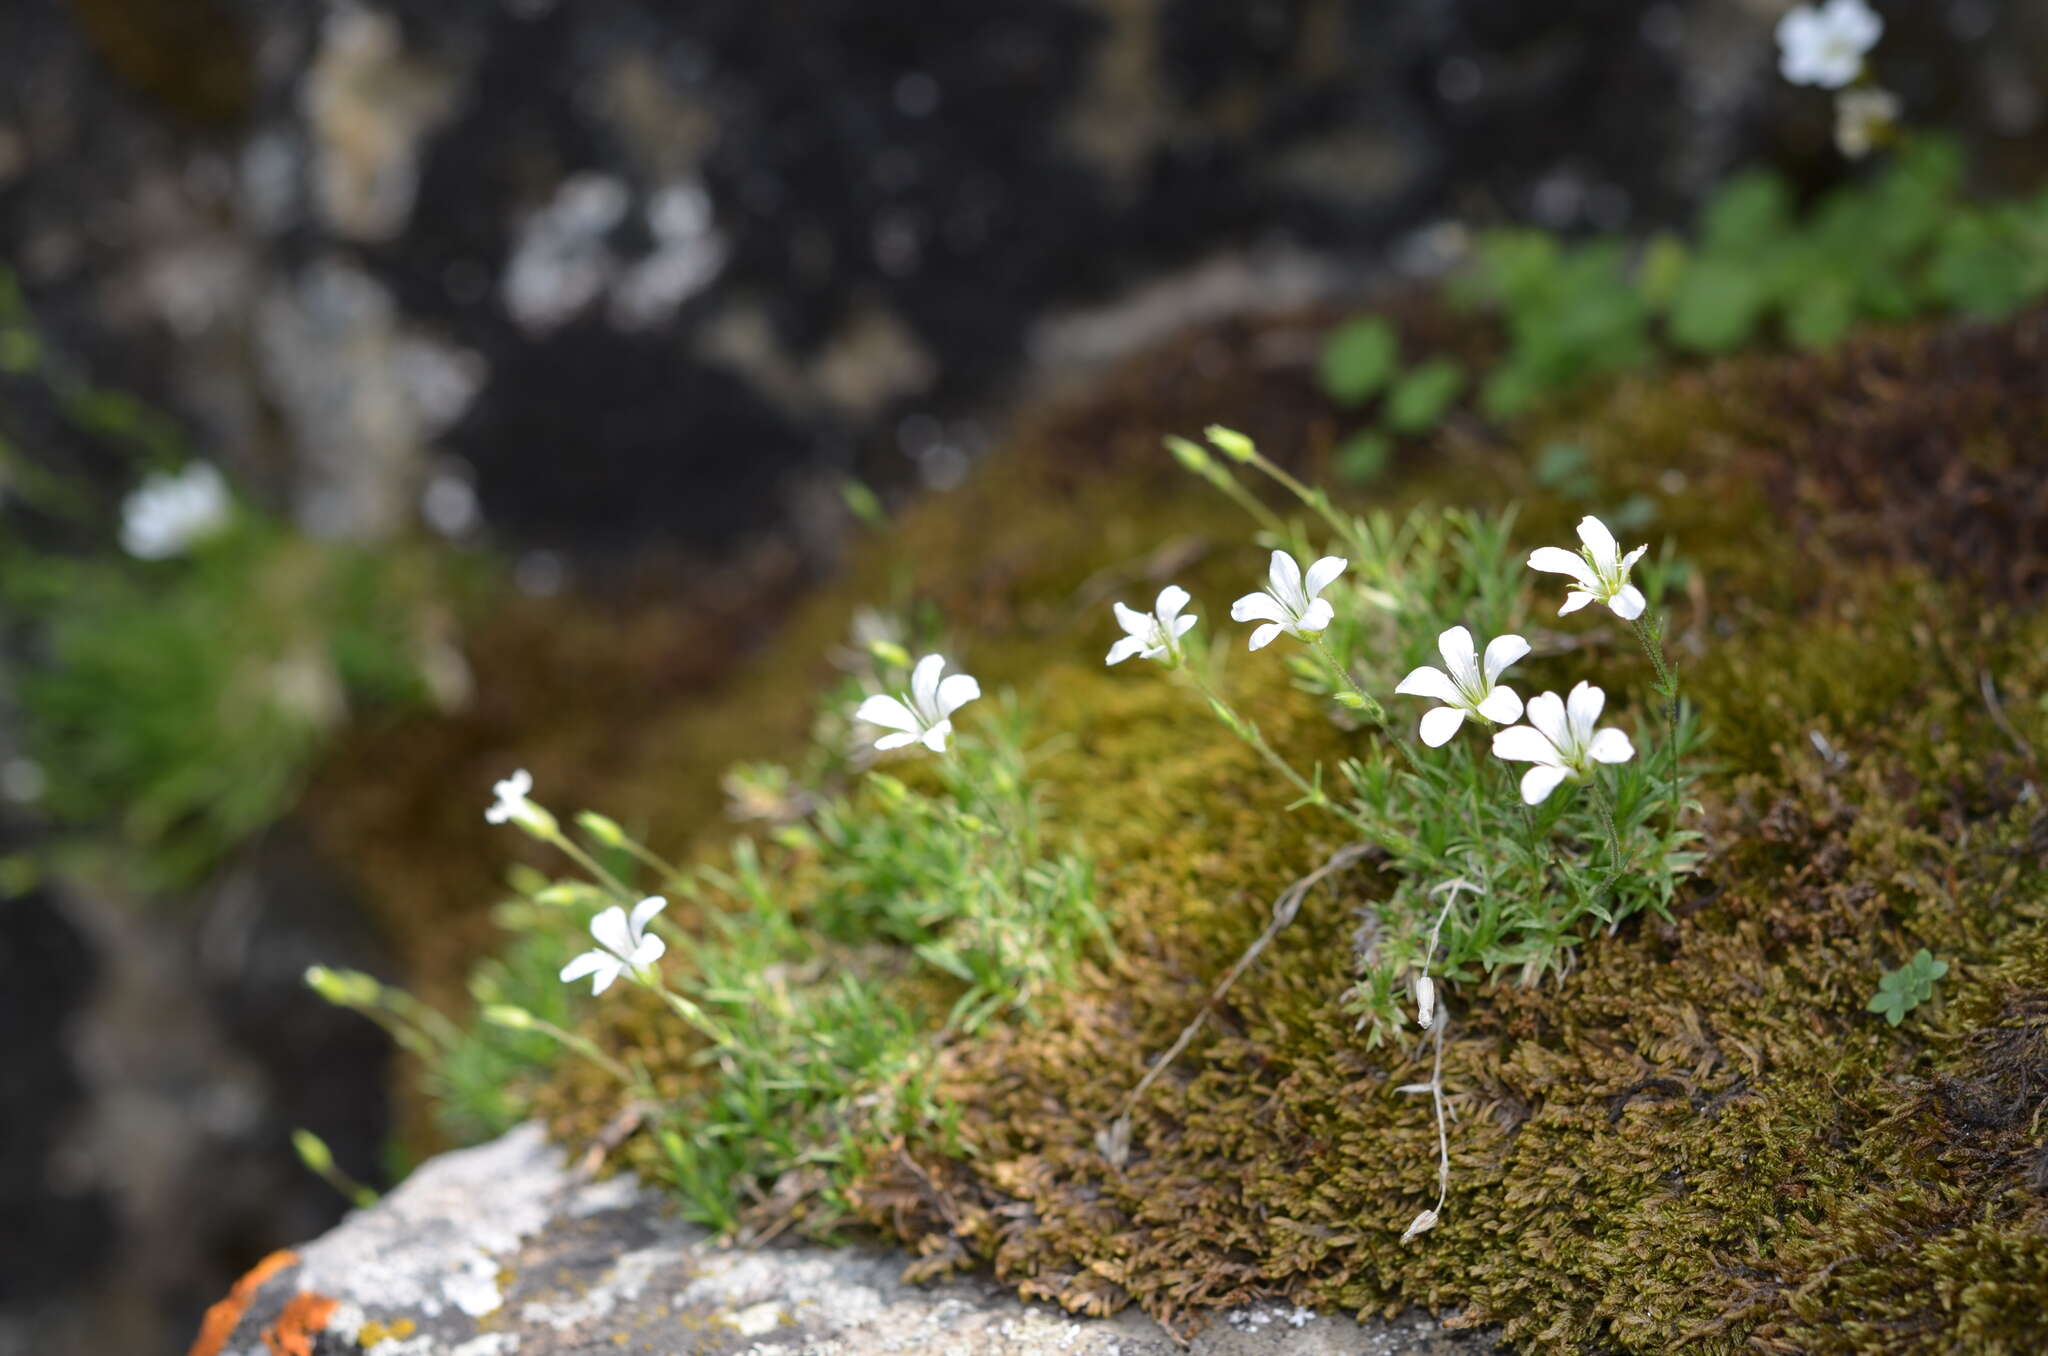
(1502, 706)
(1263, 637)
(1546, 713)
(924, 682)
(1582, 712)
(1285, 577)
(1440, 724)
(1600, 544)
(935, 738)
(1610, 746)
(1628, 604)
(1501, 651)
(589, 963)
(1317, 618)
(643, 914)
(1259, 607)
(886, 711)
(1574, 600)
(606, 977)
(955, 693)
(1461, 658)
(1557, 560)
(1124, 649)
(611, 931)
(1522, 744)
(1181, 625)
(1171, 600)
(650, 950)
(896, 741)
(1134, 623)
(1425, 681)
(1539, 781)
(1324, 573)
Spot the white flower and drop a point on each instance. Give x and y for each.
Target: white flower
(1561, 741)
(1155, 634)
(1600, 569)
(1424, 1222)
(165, 515)
(1861, 116)
(925, 713)
(1468, 688)
(513, 807)
(1826, 46)
(1288, 602)
(1425, 1002)
(624, 945)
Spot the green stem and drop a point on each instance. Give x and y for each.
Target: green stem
(569, 1040)
(1391, 839)
(592, 867)
(1651, 638)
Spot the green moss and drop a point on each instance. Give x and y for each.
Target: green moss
(1697, 1137)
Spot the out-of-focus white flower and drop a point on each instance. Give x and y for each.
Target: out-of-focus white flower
(1290, 602)
(1600, 570)
(1825, 46)
(1422, 1224)
(1465, 685)
(1861, 117)
(513, 807)
(1561, 741)
(624, 945)
(166, 514)
(1155, 634)
(1425, 1002)
(925, 713)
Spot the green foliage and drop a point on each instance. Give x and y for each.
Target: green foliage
(1423, 395)
(1359, 359)
(1902, 243)
(1900, 991)
(826, 963)
(176, 706)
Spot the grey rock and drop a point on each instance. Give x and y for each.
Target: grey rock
(502, 1250)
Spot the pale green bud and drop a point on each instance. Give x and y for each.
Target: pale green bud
(1231, 443)
(343, 988)
(890, 653)
(508, 1017)
(603, 828)
(313, 1152)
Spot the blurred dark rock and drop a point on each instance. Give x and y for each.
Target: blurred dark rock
(152, 1069)
(644, 267)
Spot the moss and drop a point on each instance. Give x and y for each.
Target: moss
(1696, 1138)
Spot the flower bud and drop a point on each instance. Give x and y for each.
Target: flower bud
(343, 988)
(1190, 455)
(1231, 443)
(313, 1152)
(603, 828)
(890, 653)
(1425, 1002)
(508, 1017)
(1422, 1224)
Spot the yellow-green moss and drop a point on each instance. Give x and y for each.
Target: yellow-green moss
(1696, 1139)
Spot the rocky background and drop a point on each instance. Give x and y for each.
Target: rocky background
(619, 280)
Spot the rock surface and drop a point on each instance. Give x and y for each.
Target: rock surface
(502, 1250)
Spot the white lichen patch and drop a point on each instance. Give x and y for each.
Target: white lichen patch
(440, 1241)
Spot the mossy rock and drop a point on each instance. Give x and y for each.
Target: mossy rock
(1697, 1138)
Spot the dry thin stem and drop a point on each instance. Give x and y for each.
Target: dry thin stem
(1115, 1139)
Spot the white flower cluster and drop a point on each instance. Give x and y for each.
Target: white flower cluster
(166, 515)
(1828, 46)
(1560, 738)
